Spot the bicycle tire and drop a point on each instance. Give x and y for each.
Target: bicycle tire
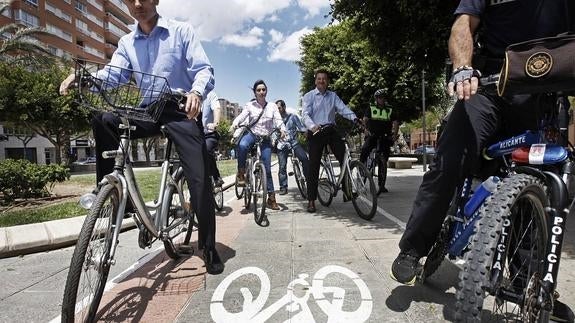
(96, 231)
(248, 189)
(482, 274)
(239, 189)
(179, 215)
(365, 190)
(300, 179)
(218, 196)
(260, 190)
(325, 187)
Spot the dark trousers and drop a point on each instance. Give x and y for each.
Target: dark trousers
(385, 143)
(188, 137)
(212, 140)
(472, 125)
(300, 153)
(316, 143)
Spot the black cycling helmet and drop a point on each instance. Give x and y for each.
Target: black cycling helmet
(379, 92)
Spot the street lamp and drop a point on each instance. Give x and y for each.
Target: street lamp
(423, 118)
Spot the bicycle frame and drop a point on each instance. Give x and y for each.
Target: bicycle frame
(124, 179)
(344, 169)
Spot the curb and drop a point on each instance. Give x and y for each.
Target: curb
(36, 237)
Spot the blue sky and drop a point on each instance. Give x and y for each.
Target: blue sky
(248, 40)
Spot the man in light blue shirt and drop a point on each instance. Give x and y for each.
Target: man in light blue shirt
(172, 50)
(319, 108)
(290, 143)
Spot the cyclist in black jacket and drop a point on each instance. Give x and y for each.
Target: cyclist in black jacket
(478, 116)
(382, 125)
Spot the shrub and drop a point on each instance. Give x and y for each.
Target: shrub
(21, 179)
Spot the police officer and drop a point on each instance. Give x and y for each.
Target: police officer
(381, 126)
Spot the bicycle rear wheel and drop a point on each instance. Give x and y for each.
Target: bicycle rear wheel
(218, 196)
(300, 179)
(364, 196)
(179, 214)
(90, 263)
(239, 190)
(260, 196)
(507, 253)
(325, 187)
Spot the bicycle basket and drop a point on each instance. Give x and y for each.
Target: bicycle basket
(124, 92)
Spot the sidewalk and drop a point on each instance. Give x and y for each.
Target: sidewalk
(328, 266)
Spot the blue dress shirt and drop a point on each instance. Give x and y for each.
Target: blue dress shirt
(319, 109)
(172, 50)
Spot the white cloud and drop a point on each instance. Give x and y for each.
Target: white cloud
(313, 7)
(288, 48)
(215, 19)
(252, 38)
(277, 37)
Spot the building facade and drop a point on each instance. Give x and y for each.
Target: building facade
(87, 29)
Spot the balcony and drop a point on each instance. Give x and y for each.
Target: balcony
(119, 9)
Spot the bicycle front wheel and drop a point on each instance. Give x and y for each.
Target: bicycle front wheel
(300, 179)
(260, 196)
(90, 262)
(178, 214)
(325, 187)
(506, 255)
(364, 196)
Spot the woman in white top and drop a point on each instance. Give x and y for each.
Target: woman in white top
(263, 117)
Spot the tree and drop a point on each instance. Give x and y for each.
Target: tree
(30, 98)
(406, 30)
(357, 69)
(223, 129)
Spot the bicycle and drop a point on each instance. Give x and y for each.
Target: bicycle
(511, 238)
(358, 185)
(168, 218)
(297, 172)
(376, 159)
(256, 180)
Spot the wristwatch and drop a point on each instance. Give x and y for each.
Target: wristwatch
(196, 92)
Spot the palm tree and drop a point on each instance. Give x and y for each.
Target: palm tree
(21, 39)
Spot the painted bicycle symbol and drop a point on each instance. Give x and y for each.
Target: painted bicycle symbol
(295, 300)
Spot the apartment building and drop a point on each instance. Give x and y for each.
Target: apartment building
(87, 29)
(229, 110)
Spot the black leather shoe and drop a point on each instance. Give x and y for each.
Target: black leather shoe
(311, 207)
(283, 191)
(214, 264)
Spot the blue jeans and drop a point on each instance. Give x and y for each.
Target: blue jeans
(246, 143)
(301, 154)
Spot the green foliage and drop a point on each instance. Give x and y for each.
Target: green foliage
(21, 179)
(357, 69)
(223, 129)
(29, 98)
(412, 32)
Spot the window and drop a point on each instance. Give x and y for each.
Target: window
(26, 18)
(32, 2)
(81, 7)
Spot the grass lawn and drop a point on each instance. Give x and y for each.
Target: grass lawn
(148, 183)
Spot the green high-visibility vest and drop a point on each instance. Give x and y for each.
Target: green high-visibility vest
(383, 114)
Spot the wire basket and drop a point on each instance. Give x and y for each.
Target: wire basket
(124, 92)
